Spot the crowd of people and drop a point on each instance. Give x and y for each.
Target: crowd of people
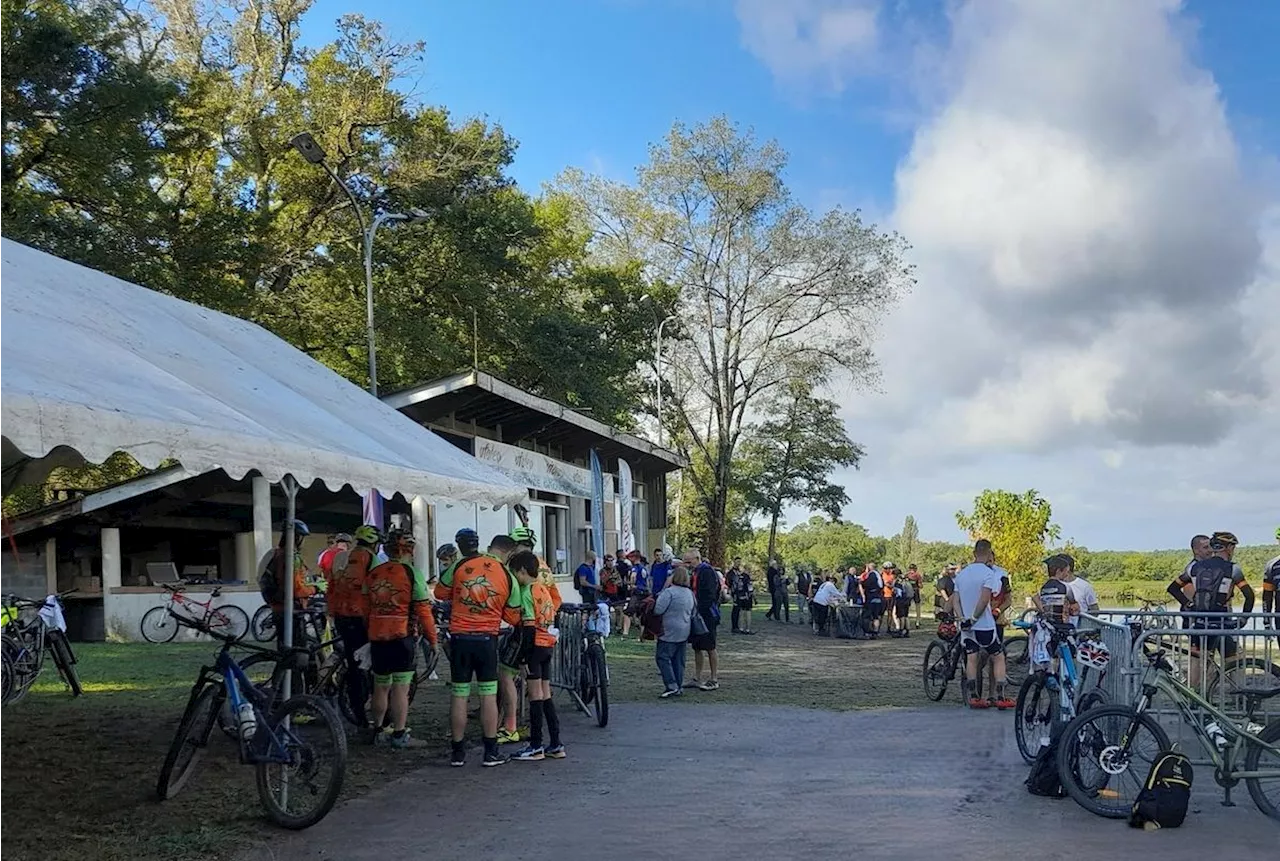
(382, 608)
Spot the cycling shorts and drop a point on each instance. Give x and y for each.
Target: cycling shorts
(989, 641)
(540, 662)
(473, 656)
(392, 661)
(902, 607)
(874, 609)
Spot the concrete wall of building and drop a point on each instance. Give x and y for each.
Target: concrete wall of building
(25, 575)
(124, 612)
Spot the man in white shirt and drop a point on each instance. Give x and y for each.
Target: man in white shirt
(1082, 591)
(976, 584)
(827, 596)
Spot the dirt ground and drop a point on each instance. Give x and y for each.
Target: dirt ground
(698, 779)
(805, 737)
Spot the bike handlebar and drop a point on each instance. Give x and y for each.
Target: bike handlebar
(18, 600)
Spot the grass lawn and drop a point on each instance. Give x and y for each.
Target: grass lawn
(88, 766)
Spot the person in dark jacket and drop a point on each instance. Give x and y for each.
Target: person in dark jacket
(731, 580)
(707, 588)
(804, 585)
(771, 579)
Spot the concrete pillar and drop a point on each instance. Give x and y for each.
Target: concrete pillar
(50, 566)
(112, 563)
(261, 519)
(246, 558)
(111, 559)
(422, 551)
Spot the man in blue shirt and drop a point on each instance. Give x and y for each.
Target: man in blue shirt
(584, 579)
(659, 571)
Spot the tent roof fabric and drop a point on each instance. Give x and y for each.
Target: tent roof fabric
(98, 365)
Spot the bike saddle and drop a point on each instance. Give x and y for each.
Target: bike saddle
(217, 590)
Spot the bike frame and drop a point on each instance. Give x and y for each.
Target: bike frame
(1188, 702)
(239, 689)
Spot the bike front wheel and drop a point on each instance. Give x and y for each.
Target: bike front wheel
(303, 764)
(228, 620)
(1034, 718)
(8, 678)
(190, 741)
(600, 677)
(65, 661)
(1104, 756)
(1267, 798)
(158, 626)
(263, 626)
(937, 674)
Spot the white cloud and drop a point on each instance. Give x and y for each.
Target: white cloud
(1099, 286)
(811, 40)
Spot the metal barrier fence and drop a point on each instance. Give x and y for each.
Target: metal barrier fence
(566, 659)
(1220, 664)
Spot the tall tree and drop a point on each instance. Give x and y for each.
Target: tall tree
(1017, 525)
(765, 287)
(788, 458)
(86, 118)
(908, 542)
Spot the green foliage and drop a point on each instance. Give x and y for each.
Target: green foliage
(766, 291)
(158, 149)
(788, 458)
(71, 480)
(907, 543)
(1017, 525)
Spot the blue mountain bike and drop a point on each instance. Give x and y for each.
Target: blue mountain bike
(297, 747)
(1050, 697)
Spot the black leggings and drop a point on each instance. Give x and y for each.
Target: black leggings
(354, 636)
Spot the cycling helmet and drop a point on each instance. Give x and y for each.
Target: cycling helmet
(367, 534)
(446, 551)
(524, 535)
(1094, 654)
(300, 531)
(342, 538)
(948, 631)
(468, 540)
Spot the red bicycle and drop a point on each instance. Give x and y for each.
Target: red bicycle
(225, 620)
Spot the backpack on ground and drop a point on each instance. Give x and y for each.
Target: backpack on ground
(1165, 796)
(1044, 779)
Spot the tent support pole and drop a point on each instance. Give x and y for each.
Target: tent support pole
(287, 542)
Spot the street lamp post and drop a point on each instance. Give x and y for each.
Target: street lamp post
(657, 369)
(307, 147)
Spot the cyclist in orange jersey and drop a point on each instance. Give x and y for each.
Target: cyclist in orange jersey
(346, 572)
(479, 589)
(399, 611)
(545, 600)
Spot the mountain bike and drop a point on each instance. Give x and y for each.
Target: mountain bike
(943, 658)
(297, 747)
(225, 620)
(1050, 698)
(1108, 752)
(592, 693)
(31, 629)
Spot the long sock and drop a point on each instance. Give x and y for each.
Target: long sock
(491, 746)
(535, 723)
(553, 721)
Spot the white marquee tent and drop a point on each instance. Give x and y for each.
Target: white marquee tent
(91, 365)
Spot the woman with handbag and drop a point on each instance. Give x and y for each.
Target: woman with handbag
(675, 606)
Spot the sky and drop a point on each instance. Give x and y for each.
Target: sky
(1090, 188)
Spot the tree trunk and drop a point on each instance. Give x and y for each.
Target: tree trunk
(773, 535)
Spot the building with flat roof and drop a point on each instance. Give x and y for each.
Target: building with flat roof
(545, 446)
(215, 528)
